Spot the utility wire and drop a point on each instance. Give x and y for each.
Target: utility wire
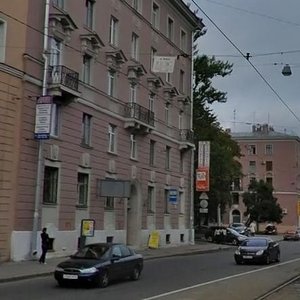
(248, 60)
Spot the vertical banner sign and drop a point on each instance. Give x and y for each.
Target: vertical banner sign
(202, 179)
(202, 172)
(43, 118)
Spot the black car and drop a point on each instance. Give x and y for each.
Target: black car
(257, 250)
(270, 229)
(99, 264)
(223, 235)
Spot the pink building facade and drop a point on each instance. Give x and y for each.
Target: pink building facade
(113, 121)
(275, 158)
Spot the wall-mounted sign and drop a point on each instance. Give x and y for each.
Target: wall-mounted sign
(202, 179)
(163, 64)
(87, 227)
(173, 196)
(43, 118)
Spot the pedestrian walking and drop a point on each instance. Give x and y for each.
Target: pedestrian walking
(45, 243)
(252, 228)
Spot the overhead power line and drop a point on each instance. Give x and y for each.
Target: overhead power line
(249, 61)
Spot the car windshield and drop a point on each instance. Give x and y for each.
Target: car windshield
(233, 231)
(92, 252)
(254, 243)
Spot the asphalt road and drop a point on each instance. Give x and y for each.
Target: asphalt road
(206, 276)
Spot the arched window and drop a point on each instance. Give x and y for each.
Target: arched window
(236, 216)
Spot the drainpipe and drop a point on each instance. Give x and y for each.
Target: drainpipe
(192, 235)
(40, 142)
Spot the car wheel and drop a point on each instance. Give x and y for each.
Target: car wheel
(61, 283)
(238, 262)
(277, 257)
(136, 273)
(103, 280)
(267, 260)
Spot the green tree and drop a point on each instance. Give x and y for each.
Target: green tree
(224, 167)
(260, 204)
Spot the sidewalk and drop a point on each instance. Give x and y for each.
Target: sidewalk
(10, 271)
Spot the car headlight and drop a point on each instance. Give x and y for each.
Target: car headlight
(260, 252)
(89, 270)
(59, 269)
(237, 252)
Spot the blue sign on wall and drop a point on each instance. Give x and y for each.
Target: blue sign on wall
(173, 196)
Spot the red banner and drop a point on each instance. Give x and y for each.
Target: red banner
(202, 179)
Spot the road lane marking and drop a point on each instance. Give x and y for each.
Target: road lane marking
(221, 279)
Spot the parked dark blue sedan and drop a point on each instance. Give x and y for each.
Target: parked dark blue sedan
(99, 264)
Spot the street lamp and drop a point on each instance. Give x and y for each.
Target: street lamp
(286, 71)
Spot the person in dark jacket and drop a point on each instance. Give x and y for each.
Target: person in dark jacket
(45, 243)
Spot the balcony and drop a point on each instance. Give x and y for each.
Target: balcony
(138, 118)
(186, 137)
(62, 80)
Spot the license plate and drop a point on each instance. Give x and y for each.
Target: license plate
(247, 257)
(68, 276)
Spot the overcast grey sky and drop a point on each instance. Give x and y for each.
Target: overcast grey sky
(270, 31)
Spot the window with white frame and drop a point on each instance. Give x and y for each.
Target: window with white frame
(86, 74)
(181, 165)
(2, 40)
(151, 102)
(111, 83)
(252, 166)
(112, 131)
(169, 77)
(166, 201)
(50, 186)
(109, 203)
(133, 147)
(55, 52)
(55, 119)
(86, 129)
(82, 188)
(168, 158)
(135, 46)
(137, 5)
(180, 120)
(150, 199)
(269, 149)
(58, 3)
(181, 202)
(89, 18)
(181, 81)
(152, 153)
(132, 93)
(113, 34)
(183, 40)
(167, 112)
(251, 150)
(155, 15)
(153, 52)
(170, 28)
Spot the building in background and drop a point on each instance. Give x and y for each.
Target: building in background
(275, 158)
(113, 121)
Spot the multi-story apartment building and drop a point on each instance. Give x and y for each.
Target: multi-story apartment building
(275, 158)
(120, 148)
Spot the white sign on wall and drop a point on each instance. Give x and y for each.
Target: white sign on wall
(43, 118)
(163, 64)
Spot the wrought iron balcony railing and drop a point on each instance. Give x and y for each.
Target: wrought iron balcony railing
(140, 113)
(64, 76)
(186, 135)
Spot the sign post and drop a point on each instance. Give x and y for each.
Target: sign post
(87, 230)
